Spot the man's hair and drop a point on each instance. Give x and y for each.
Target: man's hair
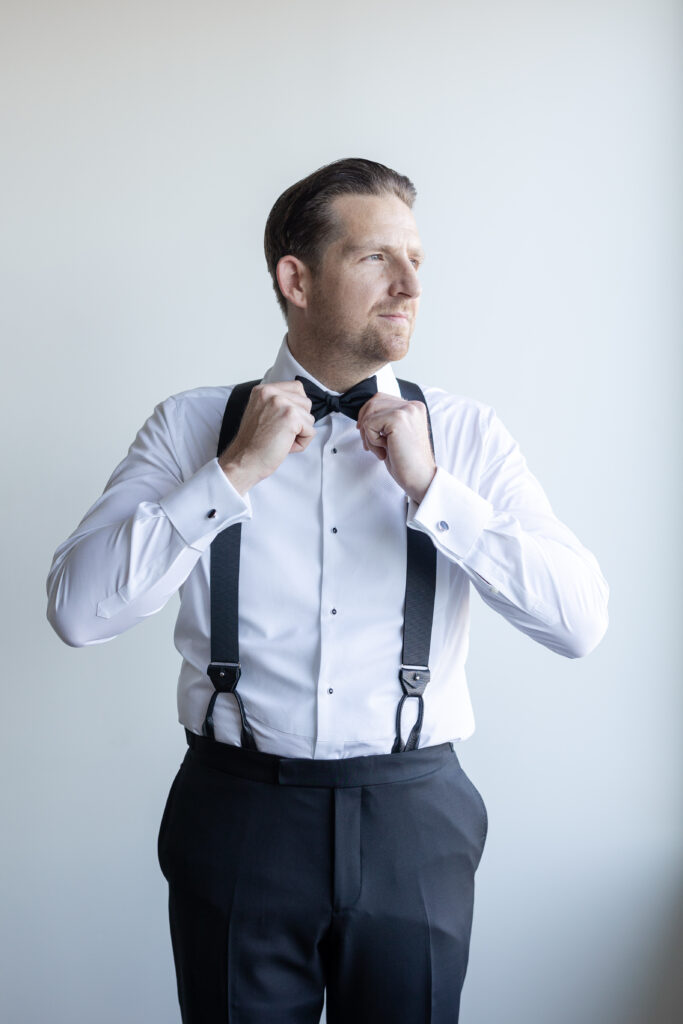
(302, 223)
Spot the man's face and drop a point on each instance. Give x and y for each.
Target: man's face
(365, 295)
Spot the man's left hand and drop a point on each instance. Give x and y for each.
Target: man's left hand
(397, 433)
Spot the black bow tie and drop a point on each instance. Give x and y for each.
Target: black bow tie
(350, 403)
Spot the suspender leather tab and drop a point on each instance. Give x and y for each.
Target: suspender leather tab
(224, 675)
(414, 679)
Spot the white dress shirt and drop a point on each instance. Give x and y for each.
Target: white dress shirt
(322, 574)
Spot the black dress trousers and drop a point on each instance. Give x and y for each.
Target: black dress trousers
(290, 876)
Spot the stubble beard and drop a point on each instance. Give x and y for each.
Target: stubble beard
(361, 352)
(380, 345)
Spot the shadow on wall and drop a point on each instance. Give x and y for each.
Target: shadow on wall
(661, 998)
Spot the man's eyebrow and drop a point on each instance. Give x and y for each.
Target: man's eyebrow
(350, 249)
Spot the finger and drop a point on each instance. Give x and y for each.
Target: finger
(305, 431)
(382, 421)
(375, 443)
(307, 428)
(373, 429)
(304, 437)
(379, 403)
(301, 442)
(377, 433)
(295, 389)
(300, 402)
(291, 390)
(293, 386)
(381, 453)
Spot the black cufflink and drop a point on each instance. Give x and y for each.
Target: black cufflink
(211, 514)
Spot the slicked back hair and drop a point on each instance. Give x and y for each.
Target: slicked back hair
(301, 222)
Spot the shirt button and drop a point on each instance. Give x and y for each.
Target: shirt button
(330, 690)
(334, 529)
(334, 611)
(442, 525)
(211, 514)
(334, 451)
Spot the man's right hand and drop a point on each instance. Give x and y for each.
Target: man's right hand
(276, 421)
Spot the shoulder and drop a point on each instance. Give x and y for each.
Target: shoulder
(459, 410)
(193, 419)
(195, 398)
(197, 405)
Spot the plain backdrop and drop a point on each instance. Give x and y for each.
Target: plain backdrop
(143, 145)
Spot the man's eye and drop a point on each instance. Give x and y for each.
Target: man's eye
(375, 256)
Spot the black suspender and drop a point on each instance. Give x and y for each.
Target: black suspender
(418, 609)
(225, 669)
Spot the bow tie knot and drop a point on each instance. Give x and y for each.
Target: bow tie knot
(350, 403)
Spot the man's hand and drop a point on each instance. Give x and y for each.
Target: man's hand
(276, 421)
(398, 434)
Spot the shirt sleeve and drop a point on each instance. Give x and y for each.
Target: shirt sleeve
(139, 542)
(524, 562)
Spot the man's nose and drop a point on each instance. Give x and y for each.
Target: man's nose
(406, 281)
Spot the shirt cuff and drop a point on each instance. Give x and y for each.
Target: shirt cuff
(204, 505)
(451, 513)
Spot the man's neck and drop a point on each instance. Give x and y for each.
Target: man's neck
(338, 374)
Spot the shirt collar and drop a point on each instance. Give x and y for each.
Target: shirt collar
(286, 367)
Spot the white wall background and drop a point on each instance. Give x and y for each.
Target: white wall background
(143, 145)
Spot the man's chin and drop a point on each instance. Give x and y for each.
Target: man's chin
(393, 346)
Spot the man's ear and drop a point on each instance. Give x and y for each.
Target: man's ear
(294, 278)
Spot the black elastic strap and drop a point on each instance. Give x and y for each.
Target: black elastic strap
(418, 611)
(225, 670)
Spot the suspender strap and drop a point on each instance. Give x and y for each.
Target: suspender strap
(225, 669)
(418, 609)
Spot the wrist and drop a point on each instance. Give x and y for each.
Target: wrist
(417, 491)
(241, 475)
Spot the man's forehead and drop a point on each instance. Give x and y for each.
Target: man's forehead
(378, 221)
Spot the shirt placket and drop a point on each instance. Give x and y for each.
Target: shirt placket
(331, 611)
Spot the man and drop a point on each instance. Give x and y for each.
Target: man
(323, 529)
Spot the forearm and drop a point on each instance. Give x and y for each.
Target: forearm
(104, 582)
(111, 574)
(524, 562)
(140, 541)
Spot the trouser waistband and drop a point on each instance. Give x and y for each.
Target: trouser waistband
(370, 770)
